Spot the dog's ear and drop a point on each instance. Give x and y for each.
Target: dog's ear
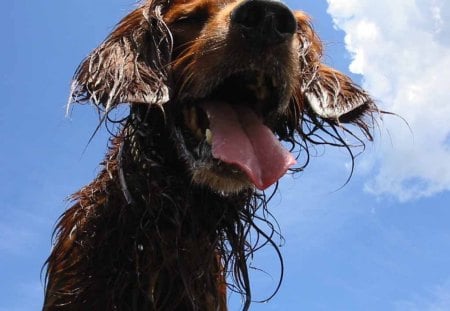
(130, 66)
(325, 92)
(333, 96)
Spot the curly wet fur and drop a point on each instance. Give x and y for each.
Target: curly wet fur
(142, 235)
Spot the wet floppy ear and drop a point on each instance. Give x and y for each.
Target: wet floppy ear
(326, 92)
(130, 65)
(333, 96)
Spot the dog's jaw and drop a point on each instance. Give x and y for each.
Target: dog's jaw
(235, 155)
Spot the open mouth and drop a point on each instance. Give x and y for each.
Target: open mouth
(227, 138)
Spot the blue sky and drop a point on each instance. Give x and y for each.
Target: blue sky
(380, 243)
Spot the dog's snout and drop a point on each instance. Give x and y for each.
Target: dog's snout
(264, 22)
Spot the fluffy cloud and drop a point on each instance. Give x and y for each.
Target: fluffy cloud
(402, 50)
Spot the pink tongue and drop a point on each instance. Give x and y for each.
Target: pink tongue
(239, 137)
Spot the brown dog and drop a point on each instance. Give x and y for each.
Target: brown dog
(213, 87)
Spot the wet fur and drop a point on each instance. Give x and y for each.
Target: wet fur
(147, 233)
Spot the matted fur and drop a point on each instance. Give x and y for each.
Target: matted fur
(145, 235)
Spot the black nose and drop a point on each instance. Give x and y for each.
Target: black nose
(264, 22)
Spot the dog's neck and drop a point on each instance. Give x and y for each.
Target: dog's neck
(143, 235)
(167, 215)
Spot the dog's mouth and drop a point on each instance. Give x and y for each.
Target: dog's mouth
(225, 136)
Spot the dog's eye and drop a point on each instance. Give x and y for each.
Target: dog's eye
(197, 17)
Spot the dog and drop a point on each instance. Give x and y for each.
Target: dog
(224, 97)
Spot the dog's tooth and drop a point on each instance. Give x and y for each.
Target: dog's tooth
(208, 136)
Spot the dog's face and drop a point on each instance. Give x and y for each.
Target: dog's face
(235, 67)
(236, 78)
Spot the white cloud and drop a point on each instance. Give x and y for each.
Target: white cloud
(402, 49)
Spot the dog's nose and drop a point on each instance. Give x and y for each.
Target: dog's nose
(264, 22)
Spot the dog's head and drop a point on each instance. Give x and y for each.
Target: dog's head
(234, 77)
